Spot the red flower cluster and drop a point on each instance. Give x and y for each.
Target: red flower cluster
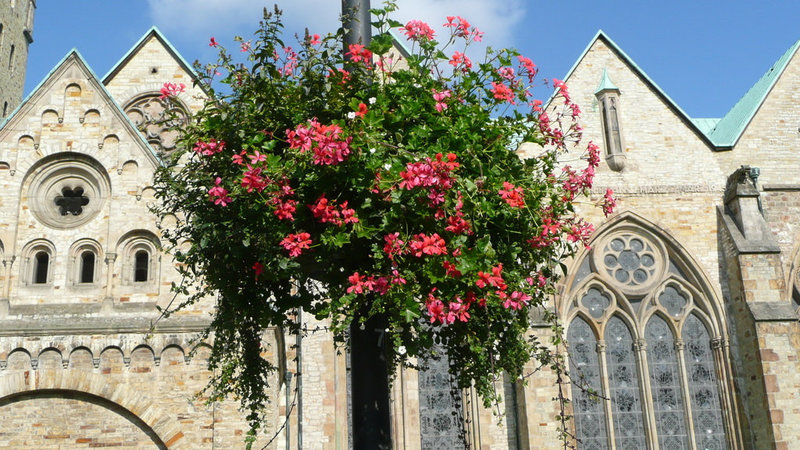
(492, 279)
(432, 174)
(393, 245)
(512, 195)
(285, 207)
(325, 211)
(325, 140)
(360, 284)
(252, 179)
(609, 202)
(528, 67)
(171, 90)
(463, 28)
(457, 225)
(296, 243)
(448, 314)
(428, 245)
(502, 92)
(358, 53)
(439, 97)
(218, 194)
(514, 301)
(209, 148)
(461, 61)
(418, 30)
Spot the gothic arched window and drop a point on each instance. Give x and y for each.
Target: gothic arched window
(644, 349)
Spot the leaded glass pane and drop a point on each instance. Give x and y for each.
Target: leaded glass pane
(596, 302)
(673, 300)
(590, 422)
(704, 396)
(440, 424)
(623, 382)
(666, 386)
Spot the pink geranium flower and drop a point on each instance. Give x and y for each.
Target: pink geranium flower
(296, 243)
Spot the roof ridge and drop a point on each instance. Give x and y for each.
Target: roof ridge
(648, 81)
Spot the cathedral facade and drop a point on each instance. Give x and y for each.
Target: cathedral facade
(681, 319)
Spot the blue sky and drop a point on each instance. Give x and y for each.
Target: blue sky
(704, 54)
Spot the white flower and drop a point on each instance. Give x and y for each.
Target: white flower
(372, 100)
(351, 115)
(387, 166)
(372, 150)
(401, 350)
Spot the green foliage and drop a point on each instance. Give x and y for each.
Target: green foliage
(425, 158)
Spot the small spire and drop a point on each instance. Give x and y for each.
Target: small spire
(605, 84)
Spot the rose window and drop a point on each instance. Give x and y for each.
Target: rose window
(631, 262)
(71, 201)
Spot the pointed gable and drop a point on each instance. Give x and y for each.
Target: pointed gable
(151, 62)
(71, 111)
(657, 136)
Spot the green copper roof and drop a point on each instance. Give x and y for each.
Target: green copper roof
(705, 125)
(606, 84)
(728, 130)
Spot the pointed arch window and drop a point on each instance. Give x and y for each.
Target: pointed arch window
(641, 340)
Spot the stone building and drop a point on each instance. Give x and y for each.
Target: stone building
(85, 359)
(16, 34)
(682, 316)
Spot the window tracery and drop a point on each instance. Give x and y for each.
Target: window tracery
(640, 335)
(157, 120)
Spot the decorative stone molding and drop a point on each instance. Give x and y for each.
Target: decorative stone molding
(67, 190)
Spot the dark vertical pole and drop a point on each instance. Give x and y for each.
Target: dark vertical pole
(356, 21)
(369, 374)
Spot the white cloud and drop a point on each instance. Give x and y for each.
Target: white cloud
(197, 20)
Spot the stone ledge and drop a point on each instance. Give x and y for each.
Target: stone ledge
(772, 312)
(781, 187)
(96, 325)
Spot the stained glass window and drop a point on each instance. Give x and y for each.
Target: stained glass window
(623, 382)
(590, 422)
(665, 385)
(440, 424)
(662, 387)
(706, 412)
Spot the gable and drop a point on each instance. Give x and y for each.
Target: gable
(71, 111)
(658, 137)
(144, 69)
